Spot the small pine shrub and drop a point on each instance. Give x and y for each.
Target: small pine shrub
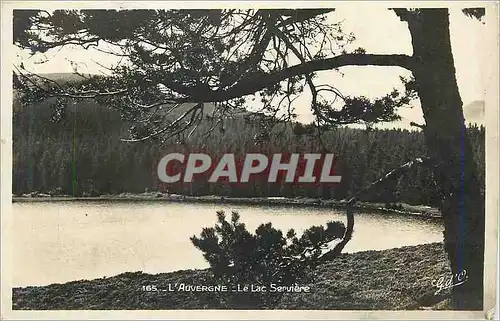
(266, 257)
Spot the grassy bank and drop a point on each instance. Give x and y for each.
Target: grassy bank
(399, 208)
(392, 279)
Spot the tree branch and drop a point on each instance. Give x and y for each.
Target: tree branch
(395, 173)
(193, 111)
(417, 125)
(260, 81)
(263, 80)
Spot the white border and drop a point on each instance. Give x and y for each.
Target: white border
(492, 169)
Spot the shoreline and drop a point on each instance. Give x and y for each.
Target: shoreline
(395, 279)
(395, 208)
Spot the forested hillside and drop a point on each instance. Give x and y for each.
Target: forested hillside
(78, 152)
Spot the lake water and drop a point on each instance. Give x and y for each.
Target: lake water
(63, 241)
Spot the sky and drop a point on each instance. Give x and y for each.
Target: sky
(378, 30)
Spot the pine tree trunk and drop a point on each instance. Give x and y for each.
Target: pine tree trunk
(449, 146)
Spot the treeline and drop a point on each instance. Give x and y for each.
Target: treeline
(78, 152)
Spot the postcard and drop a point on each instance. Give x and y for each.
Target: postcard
(262, 160)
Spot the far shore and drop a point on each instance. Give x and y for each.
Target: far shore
(396, 208)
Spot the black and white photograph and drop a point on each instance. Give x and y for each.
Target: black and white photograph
(265, 156)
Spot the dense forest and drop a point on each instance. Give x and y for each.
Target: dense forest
(78, 151)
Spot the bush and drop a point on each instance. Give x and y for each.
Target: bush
(238, 257)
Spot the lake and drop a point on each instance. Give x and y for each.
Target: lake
(56, 242)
